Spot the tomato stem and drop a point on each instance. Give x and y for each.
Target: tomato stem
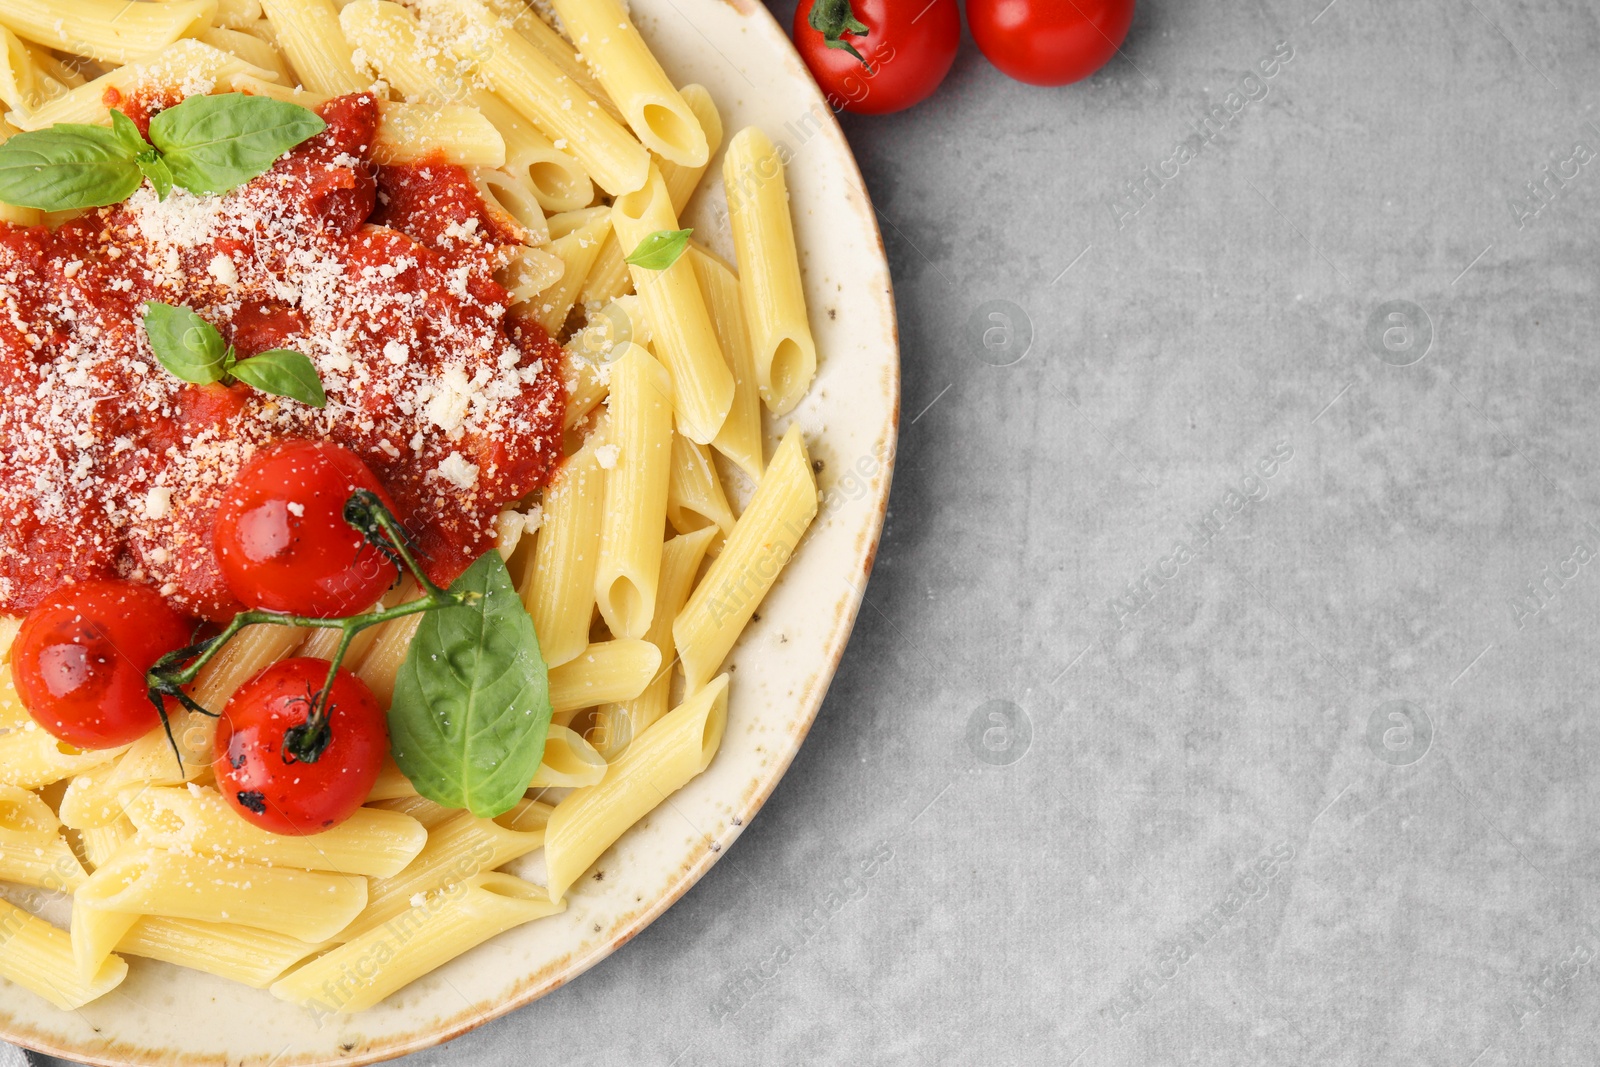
(306, 742)
(835, 18)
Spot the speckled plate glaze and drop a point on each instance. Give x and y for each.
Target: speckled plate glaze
(165, 1015)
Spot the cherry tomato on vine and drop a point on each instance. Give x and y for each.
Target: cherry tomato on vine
(284, 777)
(1049, 42)
(281, 539)
(877, 56)
(78, 662)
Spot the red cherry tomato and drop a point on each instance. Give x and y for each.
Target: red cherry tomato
(281, 539)
(886, 55)
(1049, 42)
(78, 661)
(258, 771)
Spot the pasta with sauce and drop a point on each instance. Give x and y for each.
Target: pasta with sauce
(446, 279)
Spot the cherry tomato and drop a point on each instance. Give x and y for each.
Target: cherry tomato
(281, 539)
(257, 767)
(1049, 42)
(877, 56)
(78, 661)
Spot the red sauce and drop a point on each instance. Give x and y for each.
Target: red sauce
(109, 465)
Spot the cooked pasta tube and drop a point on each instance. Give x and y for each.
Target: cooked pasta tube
(20, 82)
(238, 14)
(151, 759)
(529, 81)
(563, 55)
(95, 934)
(457, 849)
(443, 924)
(308, 33)
(679, 325)
(512, 196)
(425, 811)
(32, 758)
(32, 850)
(381, 665)
(694, 492)
(611, 45)
(658, 763)
(255, 958)
(559, 591)
(577, 250)
(762, 541)
(418, 133)
(639, 437)
(108, 31)
(310, 905)
(391, 783)
(616, 725)
(769, 270)
(187, 59)
(38, 957)
(193, 820)
(250, 48)
(101, 843)
(740, 436)
(569, 761)
(605, 671)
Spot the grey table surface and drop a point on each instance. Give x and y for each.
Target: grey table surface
(1223, 691)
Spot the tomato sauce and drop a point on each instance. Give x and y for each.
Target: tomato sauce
(383, 276)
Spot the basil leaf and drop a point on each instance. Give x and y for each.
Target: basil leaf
(472, 700)
(215, 143)
(187, 345)
(661, 249)
(66, 167)
(145, 156)
(129, 134)
(282, 372)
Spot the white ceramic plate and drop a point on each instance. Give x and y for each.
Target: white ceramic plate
(781, 668)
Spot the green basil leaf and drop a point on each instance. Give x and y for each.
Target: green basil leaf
(661, 249)
(128, 134)
(66, 167)
(214, 143)
(152, 166)
(472, 700)
(187, 345)
(282, 372)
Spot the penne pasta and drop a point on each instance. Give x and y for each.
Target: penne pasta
(769, 270)
(617, 724)
(193, 820)
(694, 493)
(605, 671)
(762, 541)
(95, 934)
(679, 325)
(457, 849)
(249, 48)
(577, 250)
(556, 48)
(255, 958)
(38, 957)
(109, 31)
(420, 133)
(529, 81)
(32, 759)
(639, 441)
(740, 436)
(308, 33)
(440, 926)
(569, 761)
(32, 850)
(559, 591)
(611, 45)
(238, 14)
(309, 905)
(658, 763)
(101, 843)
